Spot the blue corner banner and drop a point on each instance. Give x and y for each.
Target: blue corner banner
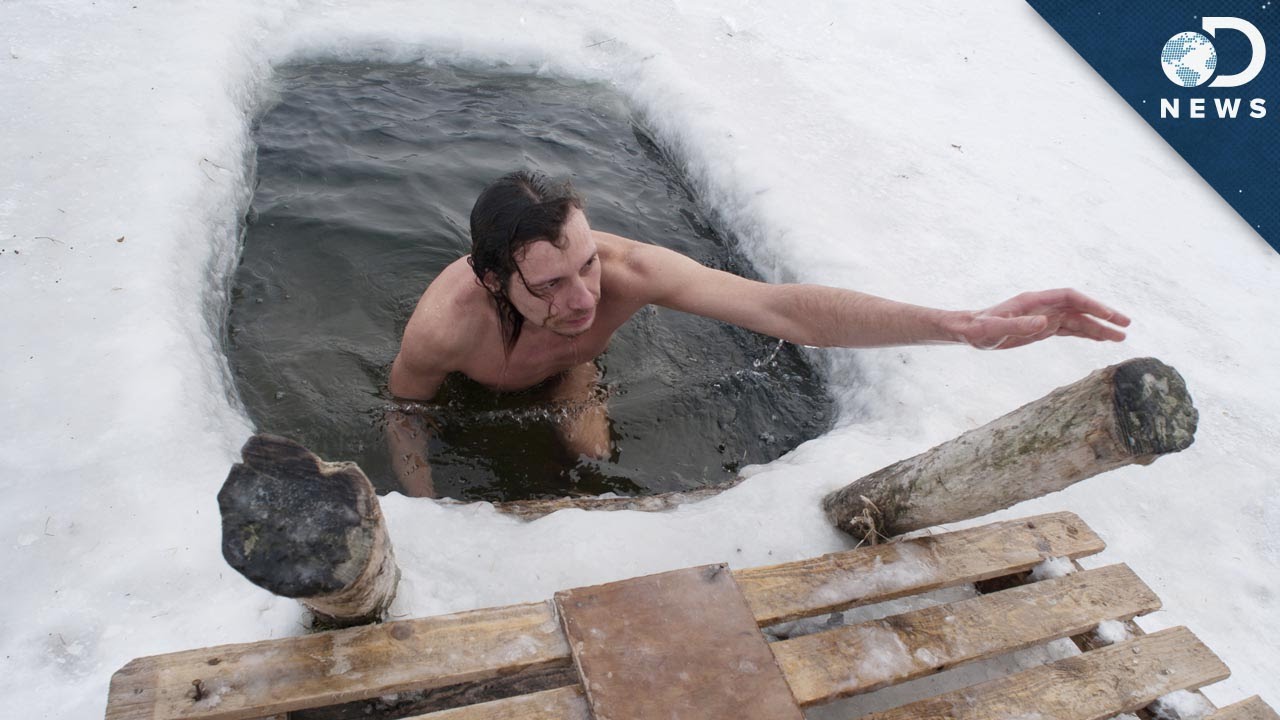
(1197, 71)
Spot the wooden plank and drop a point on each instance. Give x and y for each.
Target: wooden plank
(860, 658)
(259, 679)
(1090, 641)
(346, 665)
(680, 644)
(566, 703)
(421, 702)
(1116, 679)
(1251, 709)
(843, 580)
(817, 666)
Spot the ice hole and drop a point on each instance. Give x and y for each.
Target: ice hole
(366, 175)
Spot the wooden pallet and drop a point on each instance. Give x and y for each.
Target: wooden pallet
(640, 648)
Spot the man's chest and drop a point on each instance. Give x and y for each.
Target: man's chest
(533, 359)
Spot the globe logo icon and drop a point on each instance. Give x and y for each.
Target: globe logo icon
(1189, 59)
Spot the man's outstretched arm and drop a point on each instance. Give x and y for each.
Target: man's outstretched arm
(833, 317)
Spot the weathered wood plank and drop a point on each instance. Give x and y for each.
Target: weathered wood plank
(566, 703)
(839, 581)
(1250, 709)
(860, 658)
(421, 702)
(483, 644)
(1091, 641)
(1096, 685)
(679, 644)
(817, 667)
(253, 680)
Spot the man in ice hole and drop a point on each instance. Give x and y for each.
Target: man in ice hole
(541, 294)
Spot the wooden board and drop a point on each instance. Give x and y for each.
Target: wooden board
(565, 703)
(672, 646)
(346, 665)
(254, 680)
(872, 574)
(1091, 641)
(523, 648)
(1251, 709)
(1116, 679)
(860, 658)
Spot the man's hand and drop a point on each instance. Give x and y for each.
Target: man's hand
(1034, 316)
(407, 437)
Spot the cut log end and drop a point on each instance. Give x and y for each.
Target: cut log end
(303, 528)
(1153, 409)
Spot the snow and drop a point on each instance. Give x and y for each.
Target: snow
(1111, 632)
(1054, 567)
(1181, 705)
(913, 567)
(935, 153)
(881, 654)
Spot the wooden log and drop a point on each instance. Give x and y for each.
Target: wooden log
(1123, 414)
(308, 529)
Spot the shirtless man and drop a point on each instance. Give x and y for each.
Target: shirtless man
(541, 294)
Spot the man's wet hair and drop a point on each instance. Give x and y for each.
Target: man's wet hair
(513, 211)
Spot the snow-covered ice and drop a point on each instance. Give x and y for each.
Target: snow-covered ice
(948, 154)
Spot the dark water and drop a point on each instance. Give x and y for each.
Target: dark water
(367, 175)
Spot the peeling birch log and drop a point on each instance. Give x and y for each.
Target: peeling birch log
(1120, 415)
(308, 529)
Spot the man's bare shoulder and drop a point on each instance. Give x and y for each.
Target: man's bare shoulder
(638, 271)
(614, 247)
(625, 265)
(447, 319)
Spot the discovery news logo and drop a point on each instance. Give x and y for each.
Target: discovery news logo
(1189, 60)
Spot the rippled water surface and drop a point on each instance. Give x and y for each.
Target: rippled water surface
(366, 177)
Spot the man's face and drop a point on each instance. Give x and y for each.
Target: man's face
(565, 281)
